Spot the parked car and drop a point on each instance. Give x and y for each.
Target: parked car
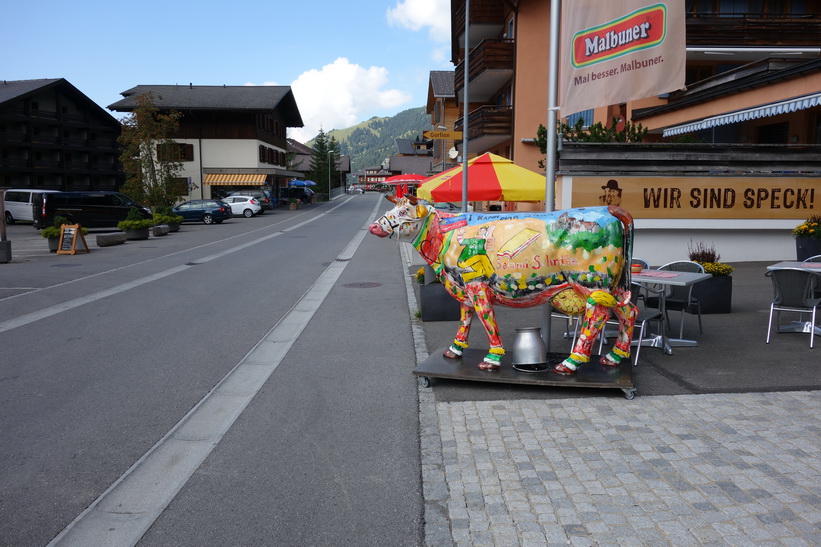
(18, 204)
(209, 211)
(298, 192)
(89, 209)
(264, 197)
(246, 206)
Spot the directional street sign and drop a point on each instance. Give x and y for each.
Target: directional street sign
(442, 134)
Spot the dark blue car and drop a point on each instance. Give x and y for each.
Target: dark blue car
(209, 211)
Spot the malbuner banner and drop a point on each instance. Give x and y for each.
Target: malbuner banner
(615, 52)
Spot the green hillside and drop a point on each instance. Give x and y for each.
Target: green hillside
(370, 142)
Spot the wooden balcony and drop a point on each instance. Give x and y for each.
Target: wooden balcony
(487, 126)
(751, 30)
(487, 20)
(491, 66)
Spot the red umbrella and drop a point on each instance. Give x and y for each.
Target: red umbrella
(409, 178)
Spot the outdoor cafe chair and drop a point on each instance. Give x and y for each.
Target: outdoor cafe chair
(816, 258)
(794, 291)
(679, 298)
(638, 293)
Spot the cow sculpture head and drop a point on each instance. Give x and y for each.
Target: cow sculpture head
(404, 220)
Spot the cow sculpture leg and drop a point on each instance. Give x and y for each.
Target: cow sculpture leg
(626, 313)
(595, 316)
(477, 294)
(461, 341)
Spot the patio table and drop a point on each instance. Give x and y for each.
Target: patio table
(667, 277)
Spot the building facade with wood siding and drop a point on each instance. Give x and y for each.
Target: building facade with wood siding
(234, 137)
(53, 137)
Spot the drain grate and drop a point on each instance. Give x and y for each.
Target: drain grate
(362, 285)
(65, 265)
(193, 263)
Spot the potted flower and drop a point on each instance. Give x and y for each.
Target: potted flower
(52, 233)
(135, 226)
(294, 203)
(808, 238)
(715, 294)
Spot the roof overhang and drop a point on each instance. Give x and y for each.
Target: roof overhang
(761, 111)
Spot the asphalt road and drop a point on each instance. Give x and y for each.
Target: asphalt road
(242, 384)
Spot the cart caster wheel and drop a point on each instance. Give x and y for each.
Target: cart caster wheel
(424, 381)
(629, 394)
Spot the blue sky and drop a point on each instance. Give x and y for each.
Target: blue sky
(346, 61)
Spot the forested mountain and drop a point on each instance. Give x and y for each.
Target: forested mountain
(370, 142)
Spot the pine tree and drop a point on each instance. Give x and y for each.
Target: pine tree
(320, 162)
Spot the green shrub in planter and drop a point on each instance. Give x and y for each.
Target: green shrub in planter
(56, 228)
(161, 218)
(135, 221)
(136, 224)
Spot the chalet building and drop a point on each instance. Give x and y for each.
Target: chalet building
(230, 137)
(53, 137)
(414, 156)
(747, 125)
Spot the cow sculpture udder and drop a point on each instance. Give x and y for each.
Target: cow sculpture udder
(577, 260)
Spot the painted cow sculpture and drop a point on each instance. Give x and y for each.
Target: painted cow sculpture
(577, 260)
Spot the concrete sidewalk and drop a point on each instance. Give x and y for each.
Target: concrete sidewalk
(720, 447)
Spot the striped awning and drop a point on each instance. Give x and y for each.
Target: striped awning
(234, 178)
(772, 109)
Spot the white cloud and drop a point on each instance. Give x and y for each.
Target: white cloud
(340, 95)
(419, 14)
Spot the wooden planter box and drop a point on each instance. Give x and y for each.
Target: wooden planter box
(715, 294)
(806, 247)
(436, 304)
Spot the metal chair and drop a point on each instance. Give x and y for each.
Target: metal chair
(816, 258)
(794, 291)
(679, 298)
(637, 289)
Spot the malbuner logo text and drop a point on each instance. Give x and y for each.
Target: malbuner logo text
(642, 29)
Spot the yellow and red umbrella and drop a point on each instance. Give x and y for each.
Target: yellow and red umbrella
(490, 178)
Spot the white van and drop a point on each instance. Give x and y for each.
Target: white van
(18, 203)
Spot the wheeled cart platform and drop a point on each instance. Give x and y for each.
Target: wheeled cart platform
(589, 375)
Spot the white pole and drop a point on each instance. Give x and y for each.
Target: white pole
(552, 106)
(465, 111)
(552, 118)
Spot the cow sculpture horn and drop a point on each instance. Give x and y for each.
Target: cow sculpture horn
(390, 198)
(412, 200)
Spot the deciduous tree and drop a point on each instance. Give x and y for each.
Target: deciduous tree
(150, 157)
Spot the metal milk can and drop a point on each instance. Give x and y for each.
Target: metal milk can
(528, 347)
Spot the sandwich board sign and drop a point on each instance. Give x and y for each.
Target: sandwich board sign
(70, 235)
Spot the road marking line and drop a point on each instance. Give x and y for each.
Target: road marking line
(124, 512)
(28, 318)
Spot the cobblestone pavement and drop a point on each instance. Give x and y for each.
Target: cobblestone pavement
(739, 469)
(717, 469)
